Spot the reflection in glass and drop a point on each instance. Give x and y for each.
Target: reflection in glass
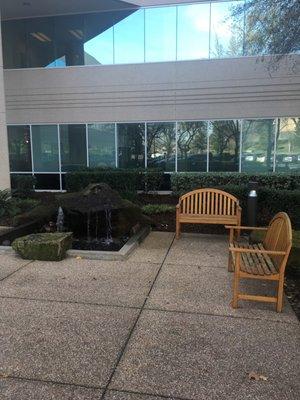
(224, 139)
(40, 42)
(101, 139)
(258, 145)
(14, 40)
(47, 182)
(227, 33)
(45, 148)
(129, 39)
(161, 145)
(192, 146)
(72, 147)
(193, 31)
(288, 145)
(131, 145)
(160, 34)
(19, 148)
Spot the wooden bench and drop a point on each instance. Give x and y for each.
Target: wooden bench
(265, 261)
(207, 206)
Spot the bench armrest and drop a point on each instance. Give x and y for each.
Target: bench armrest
(256, 251)
(249, 228)
(178, 206)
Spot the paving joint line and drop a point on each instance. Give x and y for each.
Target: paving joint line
(69, 302)
(123, 349)
(218, 315)
(26, 379)
(164, 396)
(17, 270)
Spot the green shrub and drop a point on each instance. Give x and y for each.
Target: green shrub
(122, 180)
(185, 182)
(12, 206)
(22, 185)
(151, 209)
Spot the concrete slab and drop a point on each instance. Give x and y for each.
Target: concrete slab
(114, 395)
(154, 248)
(208, 357)
(209, 291)
(14, 389)
(66, 343)
(89, 281)
(10, 263)
(198, 249)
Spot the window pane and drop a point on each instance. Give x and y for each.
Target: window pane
(101, 145)
(161, 146)
(258, 145)
(45, 148)
(131, 145)
(40, 41)
(129, 39)
(193, 32)
(99, 40)
(227, 33)
(224, 139)
(192, 146)
(47, 182)
(14, 44)
(288, 145)
(72, 147)
(160, 27)
(19, 148)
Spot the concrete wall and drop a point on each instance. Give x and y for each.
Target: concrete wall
(230, 88)
(4, 166)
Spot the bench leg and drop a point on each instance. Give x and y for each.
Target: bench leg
(236, 282)
(230, 263)
(280, 295)
(177, 229)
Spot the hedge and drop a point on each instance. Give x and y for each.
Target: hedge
(185, 182)
(122, 180)
(22, 185)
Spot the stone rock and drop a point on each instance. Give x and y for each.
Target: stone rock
(43, 246)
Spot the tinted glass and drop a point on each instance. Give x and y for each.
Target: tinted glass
(131, 147)
(40, 42)
(224, 139)
(161, 145)
(129, 39)
(72, 147)
(258, 145)
(101, 145)
(45, 148)
(227, 33)
(19, 148)
(47, 182)
(288, 145)
(160, 34)
(14, 41)
(193, 31)
(192, 146)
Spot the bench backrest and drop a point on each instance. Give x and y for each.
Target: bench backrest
(208, 202)
(279, 236)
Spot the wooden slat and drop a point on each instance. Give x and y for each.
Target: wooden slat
(268, 260)
(196, 203)
(207, 211)
(192, 204)
(188, 205)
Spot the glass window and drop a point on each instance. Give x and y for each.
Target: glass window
(160, 34)
(101, 145)
(45, 148)
(47, 182)
(192, 146)
(40, 41)
(258, 145)
(288, 145)
(224, 139)
(161, 145)
(129, 39)
(227, 33)
(19, 148)
(193, 31)
(99, 38)
(72, 147)
(14, 44)
(131, 145)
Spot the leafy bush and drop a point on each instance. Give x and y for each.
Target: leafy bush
(22, 185)
(151, 209)
(12, 206)
(122, 180)
(185, 182)
(5, 202)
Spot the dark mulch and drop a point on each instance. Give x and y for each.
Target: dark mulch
(292, 291)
